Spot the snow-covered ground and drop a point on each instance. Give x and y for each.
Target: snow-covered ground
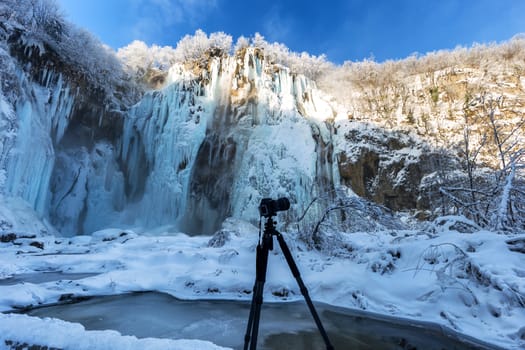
(57, 334)
(470, 282)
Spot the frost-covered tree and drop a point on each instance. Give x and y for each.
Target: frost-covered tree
(508, 137)
(463, 192)
(140, 58)
(38, 21)
(339, 80)
(510, 204)
(277, 53)
(242, 43)
(193, 47)
(37, 33)
(199, 46)
(220, 41)
(101, 68)
(490, 191)
(259, 41)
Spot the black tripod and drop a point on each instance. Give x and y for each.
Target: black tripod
(264, 246)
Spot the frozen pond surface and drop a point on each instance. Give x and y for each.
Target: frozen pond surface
(283, 325)
(43, 277)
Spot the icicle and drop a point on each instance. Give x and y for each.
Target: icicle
(161, 129)
(42, 113)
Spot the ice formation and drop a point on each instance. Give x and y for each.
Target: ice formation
(209, 145)
(41, 118)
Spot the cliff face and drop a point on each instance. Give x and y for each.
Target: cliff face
(439, 101)
(437, 105)
(215, 136)
(386, 167)
(455, 123)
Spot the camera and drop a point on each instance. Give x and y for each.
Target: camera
(269, 207)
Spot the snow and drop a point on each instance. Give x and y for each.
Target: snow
(58, 334)
(16, 215)
(471, 283)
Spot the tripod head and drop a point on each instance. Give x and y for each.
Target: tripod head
(269, 226)
(269, 231)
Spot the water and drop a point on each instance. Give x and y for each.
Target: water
(283, 325)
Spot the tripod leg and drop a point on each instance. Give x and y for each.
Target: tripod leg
(255, 312)
(261, 265)
(250, 318)
(302, 287)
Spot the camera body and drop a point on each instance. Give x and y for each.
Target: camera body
(269, 207)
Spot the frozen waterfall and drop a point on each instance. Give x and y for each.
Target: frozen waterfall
(209, 145)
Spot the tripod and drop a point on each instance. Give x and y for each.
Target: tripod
(264, 246)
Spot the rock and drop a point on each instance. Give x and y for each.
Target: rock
(219, 239)
(39, 245)
(8, 238)
(386, 168)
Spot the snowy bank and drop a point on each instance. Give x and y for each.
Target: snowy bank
(21, 331)
(471, 283)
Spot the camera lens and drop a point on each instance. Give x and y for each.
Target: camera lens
(282, 204)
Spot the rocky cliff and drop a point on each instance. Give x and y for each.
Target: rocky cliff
(449, 123)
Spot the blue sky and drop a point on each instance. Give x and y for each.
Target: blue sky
(343, 30)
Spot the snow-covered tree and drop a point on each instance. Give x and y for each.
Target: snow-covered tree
(193, 47)
(139, 58)
(37, 33)
(242, 43)
(259, 41)
(490, 193)
(508, 138)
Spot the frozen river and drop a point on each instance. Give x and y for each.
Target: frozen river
(283, 325)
